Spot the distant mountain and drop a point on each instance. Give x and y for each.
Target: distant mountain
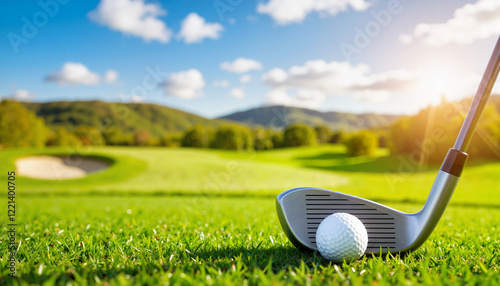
(128, 117)
(281, 116)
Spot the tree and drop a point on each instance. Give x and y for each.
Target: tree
(337, 137)
(199, 136)
(233, 137)
(427, 136)
(262, 139)
(170, 140)
(382, 135)
(323, 133)
(277, 139)
(61, 137)
(20, 127)
(115, 137)
(141, 137)
(299, 134)
(362, 143)
(89, 136)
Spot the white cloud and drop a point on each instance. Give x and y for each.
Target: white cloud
(469, 23)
(110, 76)
(335, 77)
(23, 95)
(77, 73)
(221, 83)
(315, 80)
(245, 78)
(73, 74)
(194, 29)
(286, 12)
(132, 17)
(405, 38)
(241, 65)
(136, 99)
(237, 93)
(301, 98)
(184, 84)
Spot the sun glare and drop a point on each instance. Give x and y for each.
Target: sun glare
(436, 84)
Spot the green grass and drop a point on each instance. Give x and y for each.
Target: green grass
(180, 171)
(225, 241)
(190, 216)
(122, 167)
(156, 171)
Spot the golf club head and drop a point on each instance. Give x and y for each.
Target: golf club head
(301, 210)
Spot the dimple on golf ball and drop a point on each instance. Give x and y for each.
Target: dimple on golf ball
(341, 236)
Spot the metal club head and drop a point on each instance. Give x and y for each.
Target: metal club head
(301, 210)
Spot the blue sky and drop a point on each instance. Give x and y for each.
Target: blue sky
(216, 57)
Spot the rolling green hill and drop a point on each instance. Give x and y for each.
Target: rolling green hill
(156, 119)
(281, 116)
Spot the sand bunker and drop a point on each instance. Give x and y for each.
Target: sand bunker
(58, 167)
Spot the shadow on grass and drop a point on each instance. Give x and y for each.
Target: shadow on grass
(276, 258)
(344, 163)
(324, 156)
(281, 257)
(394, 163)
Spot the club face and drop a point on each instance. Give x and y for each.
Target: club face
(301, 210)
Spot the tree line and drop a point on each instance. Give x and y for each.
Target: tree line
(20, 127)
(426, 136)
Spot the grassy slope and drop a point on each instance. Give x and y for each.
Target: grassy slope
(223, 241)
(281, 116)
(108, 116)
(194, 171)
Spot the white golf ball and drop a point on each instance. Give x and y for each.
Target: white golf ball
(341, 236)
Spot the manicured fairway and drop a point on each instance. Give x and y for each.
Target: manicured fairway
(156, 171)
(225, 241)
(191, 216)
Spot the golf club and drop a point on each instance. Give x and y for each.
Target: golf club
(301, 210)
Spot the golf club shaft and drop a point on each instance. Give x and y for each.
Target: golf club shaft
(455, 160)
(480, 99)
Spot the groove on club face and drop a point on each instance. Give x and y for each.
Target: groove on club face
(301, 211)
(379, 225)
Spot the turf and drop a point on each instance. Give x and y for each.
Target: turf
(190, 216)
(226, 241)
(158, 171)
